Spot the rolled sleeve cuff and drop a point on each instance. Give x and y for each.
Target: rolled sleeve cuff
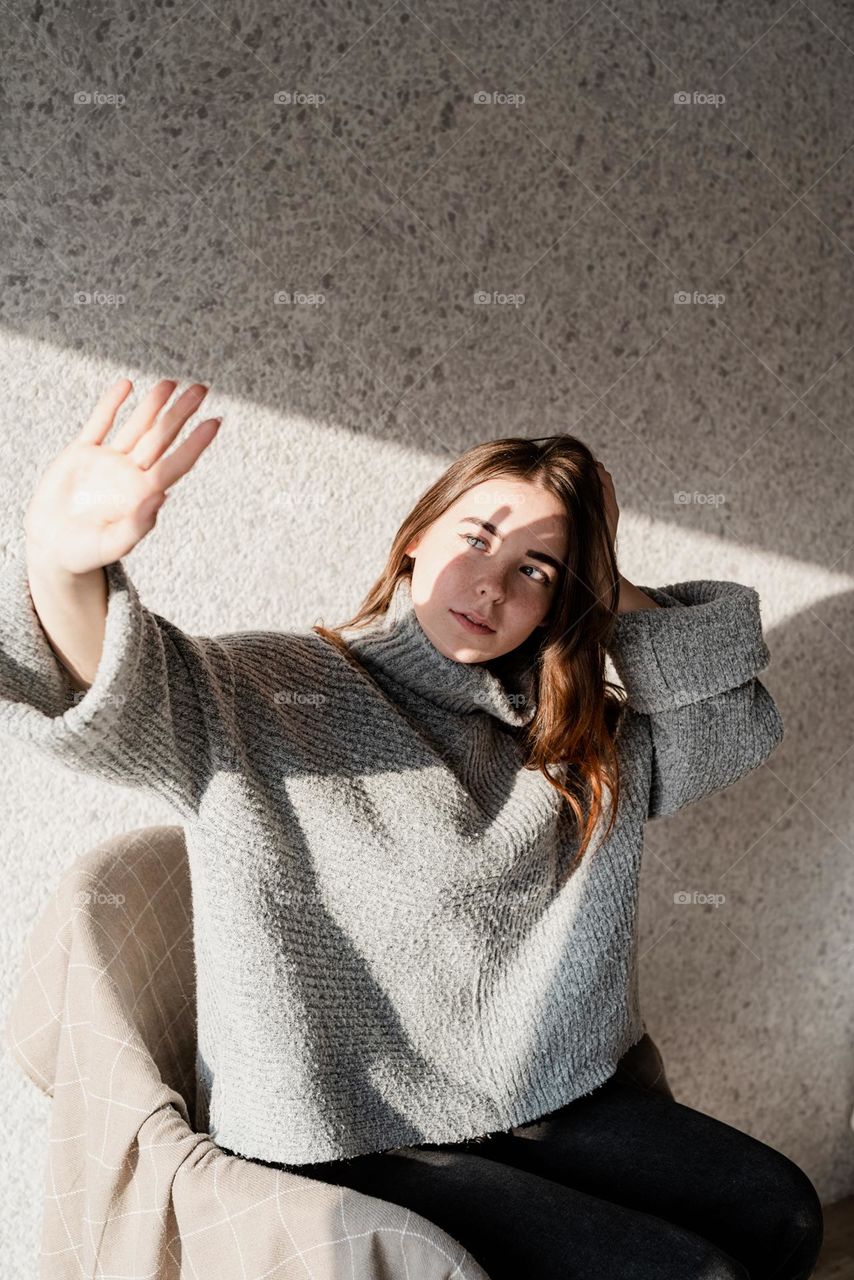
(706, 638)
(38, 703)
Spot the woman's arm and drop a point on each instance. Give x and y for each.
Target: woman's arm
(72, 611)
(155, 713)
(71, 622)
(688, 656)
(689, 667)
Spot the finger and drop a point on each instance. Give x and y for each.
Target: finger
(144, 414)
(176, 464)
(101, 419)
(154, 442)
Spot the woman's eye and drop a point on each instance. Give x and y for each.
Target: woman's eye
(544, 577)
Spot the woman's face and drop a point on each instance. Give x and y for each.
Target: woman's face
(508, 576)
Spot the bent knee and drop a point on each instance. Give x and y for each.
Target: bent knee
(703, 1260)
(801, 1232)
(672, 1252)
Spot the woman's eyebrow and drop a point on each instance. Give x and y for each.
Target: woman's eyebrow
(490, 528)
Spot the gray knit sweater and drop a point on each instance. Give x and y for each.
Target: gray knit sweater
(383, 957)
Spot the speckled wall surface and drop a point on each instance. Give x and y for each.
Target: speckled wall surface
(383, 233)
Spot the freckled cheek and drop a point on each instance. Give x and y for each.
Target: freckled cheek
(517, 625)
(532, 618)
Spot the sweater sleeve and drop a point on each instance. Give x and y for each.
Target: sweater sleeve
(157, 713)
(690, 671)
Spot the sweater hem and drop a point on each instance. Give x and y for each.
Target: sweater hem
(245, 1140)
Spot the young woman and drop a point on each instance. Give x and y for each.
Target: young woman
(415, 843)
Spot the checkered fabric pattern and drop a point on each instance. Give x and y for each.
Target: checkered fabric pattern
(104, 1023)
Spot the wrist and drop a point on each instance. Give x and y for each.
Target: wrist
(632, 598)
(42, 563)
(51, 585)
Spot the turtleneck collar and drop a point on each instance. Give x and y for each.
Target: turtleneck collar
(396, 645)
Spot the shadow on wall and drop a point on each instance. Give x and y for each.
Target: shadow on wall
(438, 227)
(745, 943)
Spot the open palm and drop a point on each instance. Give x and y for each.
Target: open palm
(96, 501)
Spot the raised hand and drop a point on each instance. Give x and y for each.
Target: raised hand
(96, 501)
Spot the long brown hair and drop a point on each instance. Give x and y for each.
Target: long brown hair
(576, 706)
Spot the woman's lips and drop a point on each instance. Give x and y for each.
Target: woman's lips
(472, 626)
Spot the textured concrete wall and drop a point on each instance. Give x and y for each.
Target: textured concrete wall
(484, 222)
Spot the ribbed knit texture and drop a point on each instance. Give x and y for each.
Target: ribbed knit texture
(383, 955)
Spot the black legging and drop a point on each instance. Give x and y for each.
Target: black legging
(623, 1183)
